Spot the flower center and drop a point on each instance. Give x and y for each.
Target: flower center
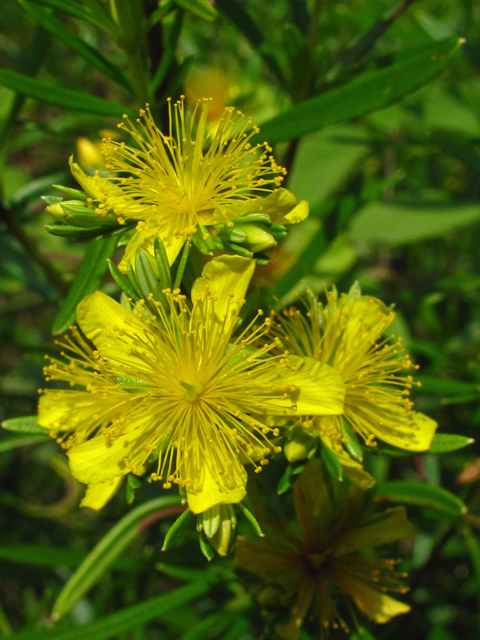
(192, 390)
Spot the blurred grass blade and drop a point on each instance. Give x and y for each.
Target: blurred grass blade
(421, 495)
(200, 8)
(372, 91)
(110, 547)
(72, 7)
(28, 424)
(91, 55)
(387, 224)
(59, 96)
(251, 519)
(124, 620)
(237, 14)
(443, 387)
(203, 628)
(169, 53)
(87, 280)
(238, 629)
(473, 547)
(47, 556)
(14, 442)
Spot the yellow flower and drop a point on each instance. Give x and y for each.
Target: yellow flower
(347, 334)
(175, 390)
(298, 569)
(189, 178)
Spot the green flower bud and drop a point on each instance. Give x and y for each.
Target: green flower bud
(258, 239)
(218, 524)
(299, 446)
(59, 214)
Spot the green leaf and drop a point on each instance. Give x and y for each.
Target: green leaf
(129, 618)
(237, 14)
(61, 97)
(182, 264)
(372, 91)
(110, 547)
(45, 556)
(363, 634)
(441, 443)
(443, 387)
(7, 444)
(387, 224)
(72, 7)
(422, 495)
(447, 442)
(91, 55)
(28, 424)
(199, 8)
(87, 280)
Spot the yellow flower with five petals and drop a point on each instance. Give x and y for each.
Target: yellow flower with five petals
(189, 178)
(348, 334)
(178, 389)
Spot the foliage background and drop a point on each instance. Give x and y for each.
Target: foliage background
(395, 204)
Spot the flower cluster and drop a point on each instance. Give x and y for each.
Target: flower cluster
(173, 384)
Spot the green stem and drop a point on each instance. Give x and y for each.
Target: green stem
(138, 73)
(31, 248)
(131, 40)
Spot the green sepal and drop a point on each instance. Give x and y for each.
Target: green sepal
(251, 519)
(182, 263)
(68, 231)
(49, 200)
(242, 251)
(205, 547)
(27, 424)
(147, 279)
(352, 444)
(122, 281)
(126, 237)
(332, 463)
(75, 193)
(133, 484)
(288, 477)
(252, 217)
(162, 263)
(176, 531)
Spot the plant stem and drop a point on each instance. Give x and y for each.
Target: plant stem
(31, 248)
(5, 628)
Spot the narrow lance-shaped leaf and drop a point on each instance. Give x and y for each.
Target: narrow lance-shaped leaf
(372, 91)
(87, 280)
(91, 55)
(118, 623)
(61, 97)
(422, 495)
(28, 424)
(110, 547)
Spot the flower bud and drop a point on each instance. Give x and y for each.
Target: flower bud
(56, 210)
(258, 239)
(218, 524)
(299, 446)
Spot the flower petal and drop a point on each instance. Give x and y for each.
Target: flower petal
(96, 461)
(376, 605)
(389, 526)
(319, 389)
(62, 410)
(209, 488)
(100, 188)
(98, 495)
(408, 430)
(228, 277)
(281, 206)
(111, 328)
